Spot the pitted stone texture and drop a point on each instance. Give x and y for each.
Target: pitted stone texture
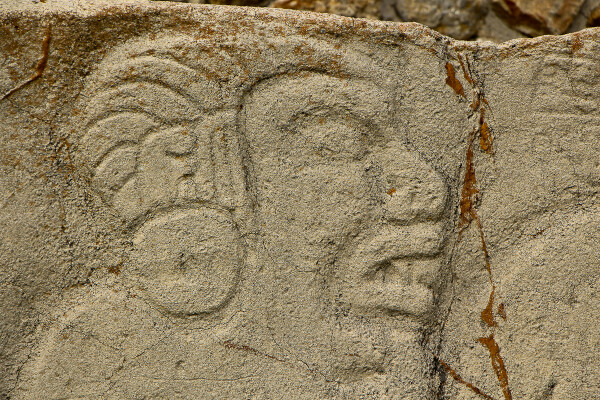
(216, 202)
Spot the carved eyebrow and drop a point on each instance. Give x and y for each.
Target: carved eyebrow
(323, 91)
(180, 78)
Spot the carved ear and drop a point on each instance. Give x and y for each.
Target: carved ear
(188, 262)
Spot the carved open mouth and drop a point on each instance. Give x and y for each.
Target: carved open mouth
(397, 270)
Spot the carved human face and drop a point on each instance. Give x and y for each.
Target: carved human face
(352, 221)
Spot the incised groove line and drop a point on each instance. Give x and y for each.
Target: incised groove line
(230, 345)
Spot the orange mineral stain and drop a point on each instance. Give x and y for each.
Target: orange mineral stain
(501, 311)
(465, 73)
(39, 69)
(487, 315)
(468, 214)
(486, 139)
(469, 190)
(450, 371)
(497, 364)
(452, 81)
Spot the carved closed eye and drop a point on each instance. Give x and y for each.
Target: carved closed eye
(139, 160)
(330, 135)
(177, 141)
(155, 163)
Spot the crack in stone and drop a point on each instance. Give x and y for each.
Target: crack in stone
(459, 379)
(39, 69)
(468, 214)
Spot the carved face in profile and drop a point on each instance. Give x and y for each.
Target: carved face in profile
(352, 221)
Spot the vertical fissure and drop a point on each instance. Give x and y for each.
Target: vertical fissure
(468, 214)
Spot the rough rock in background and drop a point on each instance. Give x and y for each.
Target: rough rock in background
(496, 20)
(370, 9)
(538, 17)
(349, 8)
(461, 19)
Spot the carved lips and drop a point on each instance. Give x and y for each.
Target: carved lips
(397, 270)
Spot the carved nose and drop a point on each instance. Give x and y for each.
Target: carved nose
(397, 268)
(413, 190)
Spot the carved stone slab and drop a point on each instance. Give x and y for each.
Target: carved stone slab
(231, 203)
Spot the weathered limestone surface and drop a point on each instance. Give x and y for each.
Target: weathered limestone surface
(205, 202)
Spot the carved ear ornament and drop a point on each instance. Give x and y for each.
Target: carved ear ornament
(169, 177)
(188, 262)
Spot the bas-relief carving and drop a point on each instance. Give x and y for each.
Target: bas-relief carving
(367, 218)
(285, 243)
(293, 241)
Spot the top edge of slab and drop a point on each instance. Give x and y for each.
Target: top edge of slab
(306, 22)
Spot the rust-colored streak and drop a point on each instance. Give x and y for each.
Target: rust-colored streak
(391, 191)
(469, 190)
(497, 364)
(576, 44)
(230, 345)
(41, 66)
(39, 69)
(475, 104)
(502, 311)
(487, 315)
(486, 139)
(468, 213)
(452, 81)
(460, 380)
